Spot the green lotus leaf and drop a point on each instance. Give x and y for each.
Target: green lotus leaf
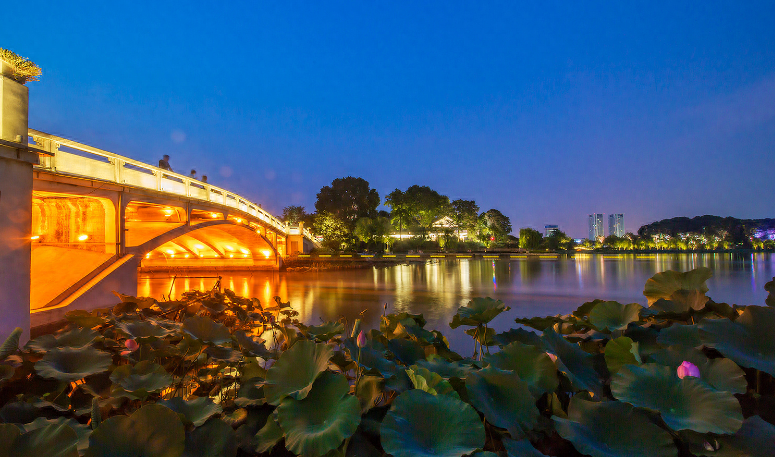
(55, 440)
(368, 390)
(207, 330)
(478, 311)
(646, 337)
(322, 420)
(76, 338)
(145, 376)
(443, 368)
(360, 446)
(687, 403)
(613, 429)
(389, 322)
(420, 424)
(325, 331)
(85, 319)
(520, 448)
(517, 334)
(574, 362)
(151, 431)
(295, 371)
(250, 393)
(213, 439)
(11, 343)
(371, 357)
(235, 418)
(6, 372)
(482, 335)
(503, 398)
(621, 351)
(539, 323)
(721, 374)
(68, 364)
(582, 311)
(530, 363)
(747, 341)
(195, 411)
(406, 351)
(268, 436)
(611, 315)
(412, 331)
(19, 412)
(681, 335)
(666, 284)
(254, 346)
(430, 382)
(142, 331)
(484, 454)
(82, 432)
(223, 354)
(756, 438)
(770, 287)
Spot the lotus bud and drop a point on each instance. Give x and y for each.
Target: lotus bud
(131, 345)
(361, 339)
(552, 356)
(688, 369)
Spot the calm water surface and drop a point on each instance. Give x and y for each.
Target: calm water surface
(438, 287)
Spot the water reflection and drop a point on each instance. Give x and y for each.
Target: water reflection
(438, 287)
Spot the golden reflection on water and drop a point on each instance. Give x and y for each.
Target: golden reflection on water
(438, 287)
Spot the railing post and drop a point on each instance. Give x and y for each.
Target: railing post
(119, 164)
(158, 174)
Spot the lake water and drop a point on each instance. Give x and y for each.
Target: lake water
(437, 288)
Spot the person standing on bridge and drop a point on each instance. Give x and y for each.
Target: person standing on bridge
(193, 174)
(164, 163)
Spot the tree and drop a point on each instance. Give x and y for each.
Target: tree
(558, 240)
(375, 230)
(348, 199)
(465, 214)
(529, 238)
(333, 230)
(499, 225)
(294, 214)
(426, 205)
(400, 211)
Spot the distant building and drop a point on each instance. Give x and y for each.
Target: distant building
(549, 230)
(616, 224)
(596, 229)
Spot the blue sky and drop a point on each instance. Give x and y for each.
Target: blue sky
(546, 112)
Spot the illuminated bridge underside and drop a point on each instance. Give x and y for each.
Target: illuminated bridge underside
(98, 217)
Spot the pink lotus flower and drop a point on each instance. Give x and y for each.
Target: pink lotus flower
(361, 341)
(131, 345)
(552, 356)
(688, 369)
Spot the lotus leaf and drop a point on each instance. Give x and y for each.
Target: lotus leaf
(19, 412)
(254, 346)
(682, 335)
(151, 431)
(444, 368)
(223, 354)
(140, 302)
(412, 331)
(517, 334)
(144, 377)
(322, 420)
(666, 284)
(359, 446)
(371, 358)
(430, 382)
(420, 424)
(207, 330)
(54, 440)
(748, 341)
(325, 331)
(582, 311)
(646, 337)
(539, 323)
(482, 335)
(721, 374)
(368, 391)
(76, 339)
(574, 362)
(142, 331)
(11, 343)
(520, 448)
(82, 432)
(611, 315)
(195, 411)
(68, 364)
(613, 429)
(236, 417)
(406, 351)
(756, 438)
(6, 372)
(504, 399)
(295, 371)
(389, 322)
(250, 393)
(770, 288)
(268, 436)
(84, 319)
(213, 439)
(621, 351)
(687, 403)
(531, 364)
(479, 311)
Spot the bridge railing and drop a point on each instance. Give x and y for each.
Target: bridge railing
(73, 158)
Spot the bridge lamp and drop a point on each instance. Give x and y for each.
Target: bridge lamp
(199, 246)
(170, 252)
(244, 255)
(229, 248)
(244, 251)
(239, 221)
(186, 256)
(148, 255)
(266, 253)
(35, 237)
(213, 215)
(83, 237)
(231, 255)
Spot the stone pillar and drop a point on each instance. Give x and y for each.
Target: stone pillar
(15, 206)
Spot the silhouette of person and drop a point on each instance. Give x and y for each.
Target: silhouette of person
(204, 178)
(193, 174)
(164, 163)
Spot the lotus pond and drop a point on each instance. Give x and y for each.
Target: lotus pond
(215, 374)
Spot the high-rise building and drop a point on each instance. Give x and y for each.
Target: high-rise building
(596, 226)
(551, 229)
(616, 224)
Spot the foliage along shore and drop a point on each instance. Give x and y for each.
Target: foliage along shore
(684, 376)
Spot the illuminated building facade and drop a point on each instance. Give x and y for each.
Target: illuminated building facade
(616, 224)
(596, 229)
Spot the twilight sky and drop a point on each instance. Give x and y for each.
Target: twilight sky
(547, 113)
